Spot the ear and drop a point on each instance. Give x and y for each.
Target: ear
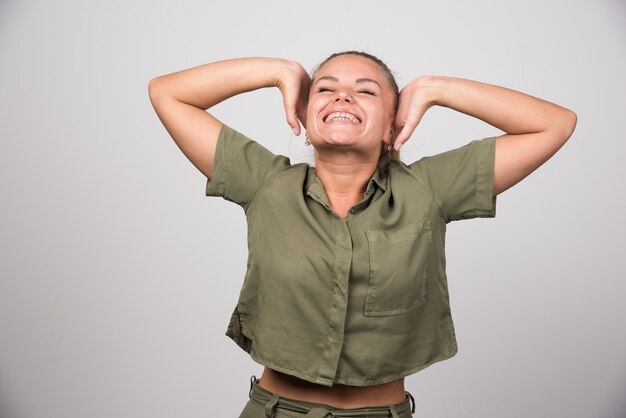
(389, 135)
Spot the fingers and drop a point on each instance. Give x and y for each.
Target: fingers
(414, 103)
(402, 137)
(294, 123)
(406, 130)
(294, 87)
(291, 115)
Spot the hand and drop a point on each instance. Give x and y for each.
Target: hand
(415, 99)
(294, 85)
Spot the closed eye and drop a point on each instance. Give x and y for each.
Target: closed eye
(324, 89)
(371, 93)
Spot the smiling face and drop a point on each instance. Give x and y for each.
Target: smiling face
(351, 104)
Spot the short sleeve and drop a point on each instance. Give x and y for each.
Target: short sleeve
(461, 180)
(241, 166)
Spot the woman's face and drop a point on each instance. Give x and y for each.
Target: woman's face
(350, 105)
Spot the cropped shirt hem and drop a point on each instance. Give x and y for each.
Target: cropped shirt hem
(339, 380)
(361, 301)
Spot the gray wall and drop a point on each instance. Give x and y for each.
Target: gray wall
(117, 275)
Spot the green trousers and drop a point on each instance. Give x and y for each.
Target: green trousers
(264, 404)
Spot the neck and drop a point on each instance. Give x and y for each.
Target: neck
(344, 178)
(344, 181)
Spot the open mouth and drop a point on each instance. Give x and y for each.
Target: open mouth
(341, 117)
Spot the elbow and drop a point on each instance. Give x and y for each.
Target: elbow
(570, 123)
(567, 124)
(573, 121)
(155, 88)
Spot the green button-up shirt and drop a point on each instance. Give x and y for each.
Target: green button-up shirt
(362, 301)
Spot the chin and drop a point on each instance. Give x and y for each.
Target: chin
(337, 142)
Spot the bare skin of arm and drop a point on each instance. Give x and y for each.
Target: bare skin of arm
(535, 129)
(180, 99)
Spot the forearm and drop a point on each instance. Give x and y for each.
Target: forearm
(180, 99)
(509, 110)
(535, 129)
(206, 85)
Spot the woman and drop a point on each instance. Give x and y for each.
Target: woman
(345, 292)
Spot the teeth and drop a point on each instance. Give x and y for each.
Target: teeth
(341, 116)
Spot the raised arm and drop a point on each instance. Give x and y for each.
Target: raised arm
(535, 129)
(180, 99)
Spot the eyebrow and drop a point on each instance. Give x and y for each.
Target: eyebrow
(358, 80)
(368, 80)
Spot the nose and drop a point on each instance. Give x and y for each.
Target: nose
(343, 96)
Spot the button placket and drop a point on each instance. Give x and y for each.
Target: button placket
(339, 310)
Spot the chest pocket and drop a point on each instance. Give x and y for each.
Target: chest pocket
(398, 269)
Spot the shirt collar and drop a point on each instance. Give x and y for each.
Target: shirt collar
(315, 188)
(378, 178)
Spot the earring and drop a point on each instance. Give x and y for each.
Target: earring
(388, 147)
(307, 142)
